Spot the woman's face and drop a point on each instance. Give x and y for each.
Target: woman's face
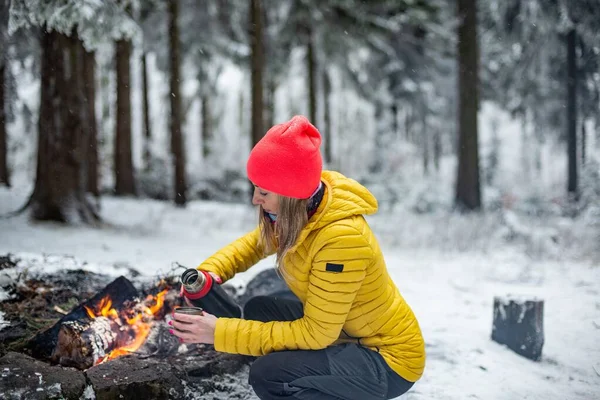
(268, 200)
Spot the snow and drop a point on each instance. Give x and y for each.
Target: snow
(3, 322)
(448, 267)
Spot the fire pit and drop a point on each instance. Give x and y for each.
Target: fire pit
(113, 345)
(115, 322)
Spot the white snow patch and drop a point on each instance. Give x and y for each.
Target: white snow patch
(3, 324)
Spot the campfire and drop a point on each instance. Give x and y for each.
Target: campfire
(128, 332)
(114, 323)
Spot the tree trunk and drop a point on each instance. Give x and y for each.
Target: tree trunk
(572, 113)
(468, 191)
(4, 175)
(312, 81)
(241, 113)
(270, 102)
(408, 123)
(146, 112)
(583, 141)
(525, 150)
(123, 164)
(380, 130)
(89, 70)
(257, 63)
(394, 111)
(437, 149)
(327, 133)
(175, 97)
(206, 125)
(257, 67)
(59, 192)
(425, 135)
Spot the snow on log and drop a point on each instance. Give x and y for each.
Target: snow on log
(519, 324)
(82, 344)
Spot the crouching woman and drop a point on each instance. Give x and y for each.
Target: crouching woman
(346, 332)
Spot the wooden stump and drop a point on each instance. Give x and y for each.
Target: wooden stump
(518, 324)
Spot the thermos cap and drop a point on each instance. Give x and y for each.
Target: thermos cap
(196, 284)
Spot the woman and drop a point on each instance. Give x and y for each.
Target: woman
(349, 334)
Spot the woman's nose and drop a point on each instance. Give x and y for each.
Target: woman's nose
(256, 199)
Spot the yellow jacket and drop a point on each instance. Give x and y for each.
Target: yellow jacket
(337, 270)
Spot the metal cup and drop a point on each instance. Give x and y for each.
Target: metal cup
(189, 310)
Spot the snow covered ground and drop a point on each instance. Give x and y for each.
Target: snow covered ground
(449, 269)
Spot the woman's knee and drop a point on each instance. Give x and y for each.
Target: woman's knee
(263, 375)
(258, 371)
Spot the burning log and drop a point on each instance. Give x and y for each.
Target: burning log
(83, 344)
(119, 291)
(102, 328)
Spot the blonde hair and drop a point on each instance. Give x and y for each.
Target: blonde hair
(281, 236)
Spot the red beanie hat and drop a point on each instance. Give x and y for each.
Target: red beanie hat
(287, 160)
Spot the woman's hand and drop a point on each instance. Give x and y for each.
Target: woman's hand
(194, 328)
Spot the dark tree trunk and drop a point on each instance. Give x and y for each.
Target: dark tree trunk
(257, 66)
(270, 102)
(123, 164)
(206, 125)
(394, 111)
(425, 138)
(175, 97)
(4, 175)
(437, 149)
(408, 124)
(377, 164)
(89, 68)
(583, 141)
(572, 113)
(327, 133)
(146, 112)
(312, 80)
(59, 192)
(468, 191)
(242, 113)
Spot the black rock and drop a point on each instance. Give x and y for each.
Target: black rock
(267, 282)
(134, 378)
(24, 377)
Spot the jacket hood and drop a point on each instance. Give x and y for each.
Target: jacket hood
(344, 197)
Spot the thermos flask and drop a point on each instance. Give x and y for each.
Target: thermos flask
(202, 291)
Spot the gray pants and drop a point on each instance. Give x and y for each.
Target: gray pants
(347, 371)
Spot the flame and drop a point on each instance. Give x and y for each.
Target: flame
(106, 309)
(137, 324)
